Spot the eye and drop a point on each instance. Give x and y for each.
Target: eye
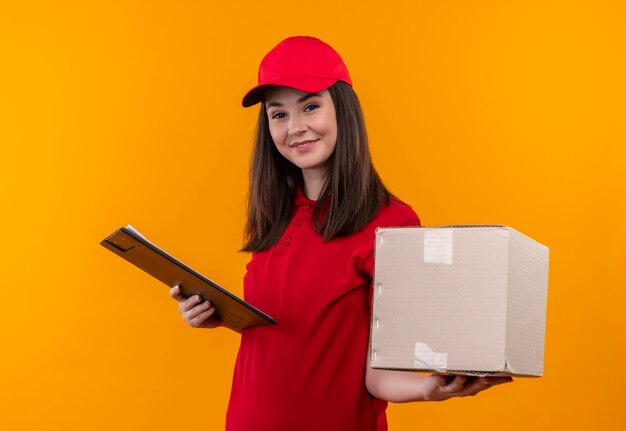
(277, 115)
(311, 107)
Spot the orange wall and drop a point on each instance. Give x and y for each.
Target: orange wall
(119, 112)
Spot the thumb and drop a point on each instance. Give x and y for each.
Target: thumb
(440, 379)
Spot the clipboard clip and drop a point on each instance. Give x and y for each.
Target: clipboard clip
(120, 242)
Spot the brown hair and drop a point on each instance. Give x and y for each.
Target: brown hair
(351, 196)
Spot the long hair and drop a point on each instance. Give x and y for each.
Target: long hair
(352, 193)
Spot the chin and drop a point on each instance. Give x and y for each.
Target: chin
(310, 166)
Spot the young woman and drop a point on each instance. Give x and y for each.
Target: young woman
(315, 201)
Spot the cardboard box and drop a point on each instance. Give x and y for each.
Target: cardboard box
(460, 300)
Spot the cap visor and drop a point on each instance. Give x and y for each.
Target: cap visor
(302, 83)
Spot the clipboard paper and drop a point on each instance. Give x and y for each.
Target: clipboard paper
(233, 312)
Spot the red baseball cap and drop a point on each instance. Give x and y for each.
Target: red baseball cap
(301, 62)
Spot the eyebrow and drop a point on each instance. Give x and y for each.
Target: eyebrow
(300, 100)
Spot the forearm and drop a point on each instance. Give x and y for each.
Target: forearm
(404, 387)
(396, 386)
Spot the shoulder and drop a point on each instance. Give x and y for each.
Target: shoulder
(395, 213)
(392, 214)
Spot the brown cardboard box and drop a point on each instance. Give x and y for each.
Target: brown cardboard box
(459, 299)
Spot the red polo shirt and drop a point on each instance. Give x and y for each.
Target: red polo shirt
(308, 371)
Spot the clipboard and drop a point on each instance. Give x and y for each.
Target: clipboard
(233, 312)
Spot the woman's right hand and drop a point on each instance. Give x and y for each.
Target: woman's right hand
(195, 311)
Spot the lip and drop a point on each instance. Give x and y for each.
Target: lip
(302, 144)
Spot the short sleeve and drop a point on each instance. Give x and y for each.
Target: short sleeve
(413, 220)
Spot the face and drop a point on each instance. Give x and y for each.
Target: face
(303, 126)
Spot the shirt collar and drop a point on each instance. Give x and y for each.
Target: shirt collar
(301, 199)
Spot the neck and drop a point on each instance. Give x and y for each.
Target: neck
(313, 183)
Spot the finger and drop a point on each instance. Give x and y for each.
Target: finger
(441, 379)
(455, 385)
(489, 381)
(177, 294)
(201, 318)
(189, 303)
(500, 380)
(475, 387)
(196, 310)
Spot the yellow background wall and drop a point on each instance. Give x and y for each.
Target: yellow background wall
(118, 112)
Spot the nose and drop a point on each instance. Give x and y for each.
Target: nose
(296, 126)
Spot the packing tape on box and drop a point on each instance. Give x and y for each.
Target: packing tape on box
(425, 357)
(438, 246)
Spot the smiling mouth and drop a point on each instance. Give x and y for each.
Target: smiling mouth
(302, 144)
